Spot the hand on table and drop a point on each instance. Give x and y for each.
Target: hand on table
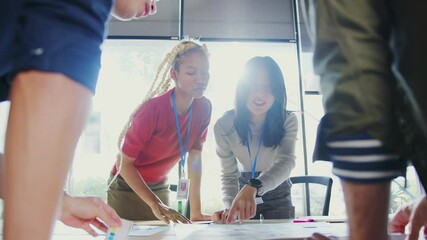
(85, 212)
(167, 214)
(243, 205)
(201, 217)
(318, 236)
(414, 215)
(220, 216)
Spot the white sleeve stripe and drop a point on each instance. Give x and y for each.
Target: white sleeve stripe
(365, 174)
(355, 143)
(365, 158)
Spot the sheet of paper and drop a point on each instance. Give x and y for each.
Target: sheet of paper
(265, 231)
(139, 230)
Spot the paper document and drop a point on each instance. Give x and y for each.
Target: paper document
(140, 230)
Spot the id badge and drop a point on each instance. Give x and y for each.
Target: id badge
(258, 200)
(183, 189)
(119, 233)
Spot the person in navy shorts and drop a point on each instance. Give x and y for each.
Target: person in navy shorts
(49, 63)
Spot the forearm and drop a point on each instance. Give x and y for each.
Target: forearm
(195, 176)
(230, 189)
(367, 207)
(229, 180)
(279, 171)
(195, 183)
(48, 112)
(132, 177)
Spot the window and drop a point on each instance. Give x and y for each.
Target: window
(128, 67)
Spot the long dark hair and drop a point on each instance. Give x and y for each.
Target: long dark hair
(273, 125)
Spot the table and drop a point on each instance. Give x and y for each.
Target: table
(247, 230)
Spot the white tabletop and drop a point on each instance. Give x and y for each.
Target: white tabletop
(248, 230)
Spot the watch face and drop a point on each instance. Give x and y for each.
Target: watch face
(255, 182)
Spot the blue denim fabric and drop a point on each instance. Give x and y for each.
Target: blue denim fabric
(60, 36)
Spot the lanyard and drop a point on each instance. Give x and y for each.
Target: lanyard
(183, 152)
(253, 166)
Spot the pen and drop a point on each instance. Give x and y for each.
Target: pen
(303, 220)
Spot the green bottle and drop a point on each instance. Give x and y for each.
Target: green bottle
(180, 207)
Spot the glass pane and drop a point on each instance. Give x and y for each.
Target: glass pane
(128, 67)
(165, 23)
(249, 19)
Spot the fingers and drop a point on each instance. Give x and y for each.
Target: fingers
(231, 214)
(169, 215)
(318, 236)
(218, 216)
(101, 226)
(224, 216)
(173, 218)
(150, 8)
(153, 8)
(397, 224)
(164, 218)
(176, 218)
(250, 211)
(242, 214)
(182, 219)
(89, 230)
(400, 220)
(108, 215)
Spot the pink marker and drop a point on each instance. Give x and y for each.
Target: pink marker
(303, 220)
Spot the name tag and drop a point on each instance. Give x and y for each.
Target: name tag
(258, 200)
(120, 233)
(183, 189)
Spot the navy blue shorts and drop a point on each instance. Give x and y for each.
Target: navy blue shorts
(60, 36)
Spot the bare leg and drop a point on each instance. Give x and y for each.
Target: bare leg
(47, 114)
(367, 207)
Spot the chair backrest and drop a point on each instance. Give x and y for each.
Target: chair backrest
(322, 180)
(174, 188)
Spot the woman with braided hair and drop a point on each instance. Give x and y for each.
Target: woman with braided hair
(158, 135)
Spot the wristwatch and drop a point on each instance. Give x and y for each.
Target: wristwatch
(256, 183)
